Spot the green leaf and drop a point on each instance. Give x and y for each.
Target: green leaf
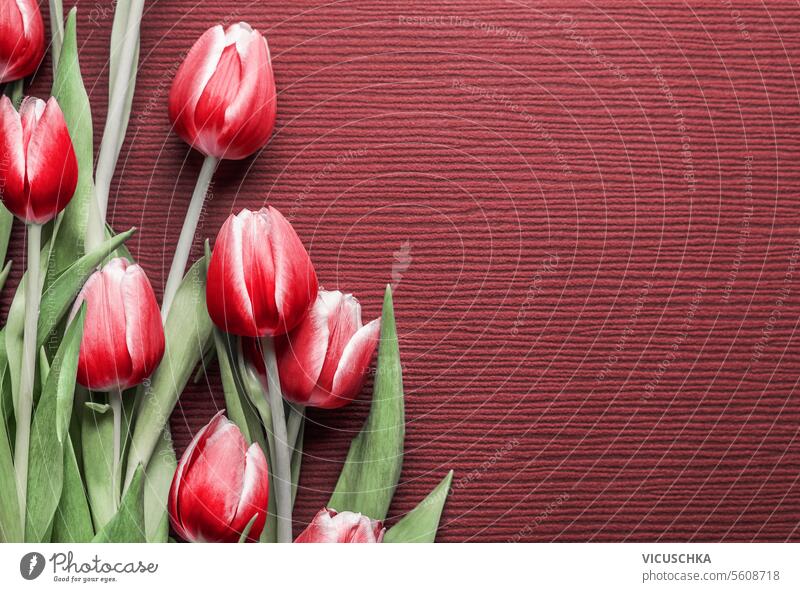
(246, 531)
(297, 460)
(421, 523)
(97, 443)
(58, 297)
(73, 520)
(4, 275)
(187, 331)
(48, 432)
(10, 522)
(372, 469)
(6, 222)
(81, 217)
(158, 479)
(127, 525)
(233, 397)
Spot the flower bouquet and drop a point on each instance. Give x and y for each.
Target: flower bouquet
(91, 366)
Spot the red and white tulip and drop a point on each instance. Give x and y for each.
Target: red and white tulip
(220, 486)
(323, 361)
(40, 170)
(123, 339)
(22, 42)
(330, 526)
(223, 101)
(260, 279)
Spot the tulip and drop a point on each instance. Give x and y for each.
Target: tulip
(330, 526)
(220, 485)
(40, 170)
(261, 283)
(260, 278)
(38, 175)
(21, 39)
(123, 339)
(222, 100)
(323, 361)
(222, 103)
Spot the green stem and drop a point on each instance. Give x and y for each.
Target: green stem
(296, 415)
(14, 91)
(115, 122)
(56, 30)
(115, 401)
(282, 469)
(186, 239)
(33, 292)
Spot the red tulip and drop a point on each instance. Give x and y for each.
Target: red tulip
(123, 340)
(222, 100)
(260, 278)
(330, 526)
(21, 39)
(323, 361)
(39, 170)
(219, 486)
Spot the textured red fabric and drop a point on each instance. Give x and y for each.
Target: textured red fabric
(589, 212)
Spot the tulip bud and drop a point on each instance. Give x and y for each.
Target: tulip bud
(219, 486)
(260, 278)
(222, 100)
(39, 170)
(123, 340)
(21, 39)
(323, 361)
(330, 526)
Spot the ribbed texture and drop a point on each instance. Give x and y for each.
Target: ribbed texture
(583, 282)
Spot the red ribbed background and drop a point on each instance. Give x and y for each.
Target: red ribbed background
(590, 215)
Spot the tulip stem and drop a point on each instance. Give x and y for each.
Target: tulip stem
(186, 239)
(115, 401)
(296, 414)
(33, 291)
(282, 471)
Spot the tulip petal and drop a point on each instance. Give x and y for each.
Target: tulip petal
(210, 491)
(219, 92)
(12, 158)
(226, 292)
(190, 80)
(344, 319)
(302, 353)
(21, 39)
(51, 165)
(354, 363)
(187, 460)
(295, 278)
(144, 333)
(250, 115)
(255, 494)
(104, 363)
(259, 269)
